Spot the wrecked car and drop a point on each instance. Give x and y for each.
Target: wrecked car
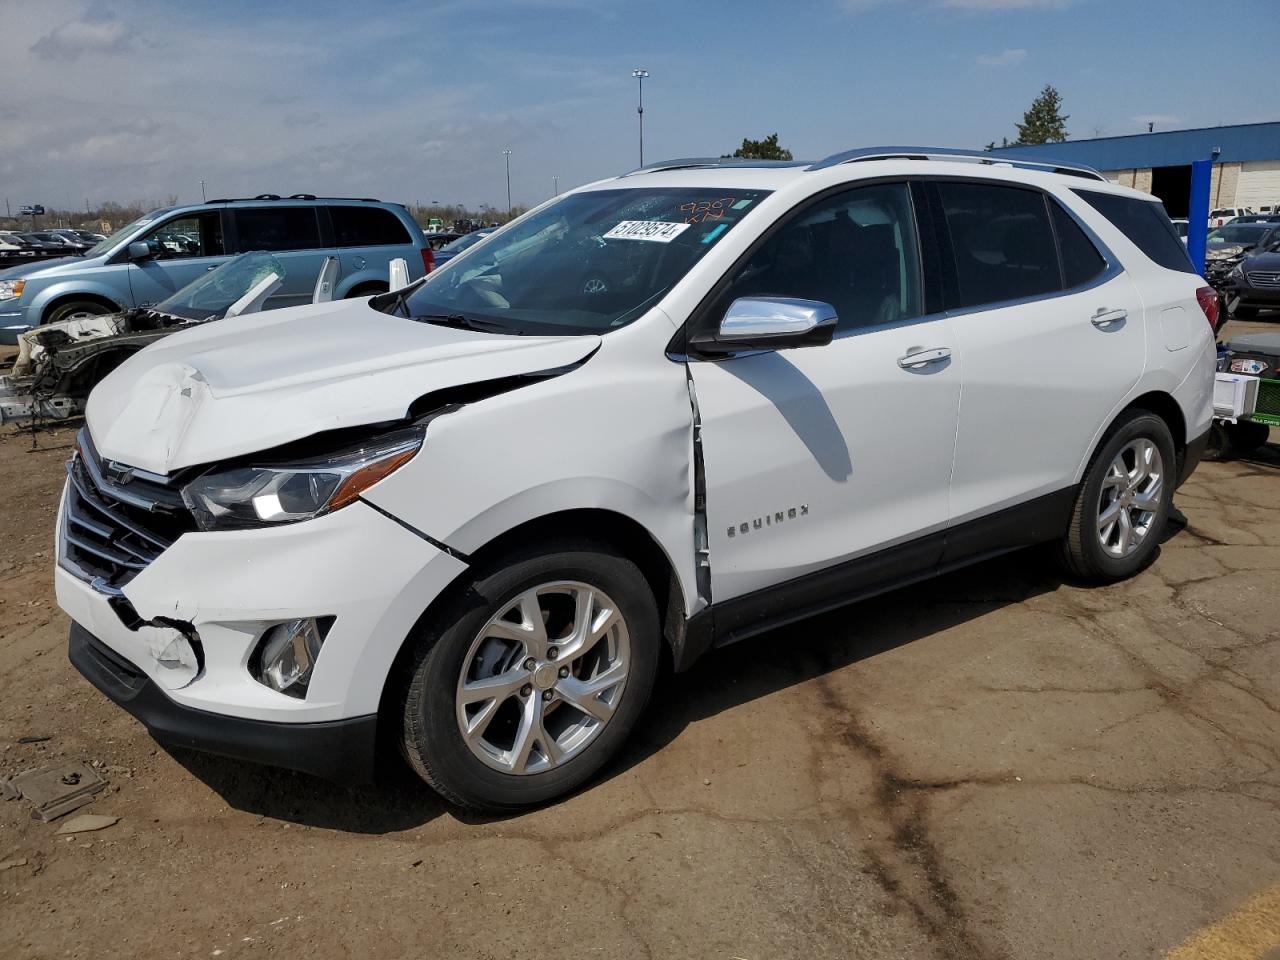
(470, 518)
(59, 363)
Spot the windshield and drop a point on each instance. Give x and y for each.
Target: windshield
(589, 263)
(465, 243)
(210, 294)
(1238, 233)
(117, 238)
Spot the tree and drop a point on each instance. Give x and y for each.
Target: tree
(766, 149)
(1044, 121)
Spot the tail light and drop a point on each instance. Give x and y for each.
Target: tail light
(428, 260)
(1207, 297)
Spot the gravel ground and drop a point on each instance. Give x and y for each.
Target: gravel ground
(994, 765)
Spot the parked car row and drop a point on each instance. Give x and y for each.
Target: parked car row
(154, 256)
(19, 247)
(1241, 260)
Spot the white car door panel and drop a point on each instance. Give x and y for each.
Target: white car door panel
(816, 455)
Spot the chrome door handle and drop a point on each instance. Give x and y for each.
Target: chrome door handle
(1105, 317)
(920, 357)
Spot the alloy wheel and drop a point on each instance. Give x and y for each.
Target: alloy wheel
(543, 677)
(1130, 497)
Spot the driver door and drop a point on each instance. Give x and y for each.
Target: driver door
(814, 457)
(182, 249)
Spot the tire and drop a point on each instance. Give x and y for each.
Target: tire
(1244, 313)
(70, 309)
(1095, 551)
(1219, 446)
(366, 290)
(484, 772)
(1247, 436)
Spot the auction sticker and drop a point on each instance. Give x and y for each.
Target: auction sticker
(657, 231)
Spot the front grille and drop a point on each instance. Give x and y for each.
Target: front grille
(1264, 278)
(116, 522)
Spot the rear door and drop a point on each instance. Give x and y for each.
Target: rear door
(1052, 334)
(291, 232)
(182, 248)
(368, 238)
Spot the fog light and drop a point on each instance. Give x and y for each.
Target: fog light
(287, 654)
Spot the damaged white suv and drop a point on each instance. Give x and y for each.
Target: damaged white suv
(659, 414)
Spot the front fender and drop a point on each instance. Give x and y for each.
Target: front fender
(58, 289)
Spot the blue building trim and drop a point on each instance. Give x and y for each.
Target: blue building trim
(1236, 144)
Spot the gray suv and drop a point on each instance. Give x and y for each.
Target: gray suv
(162, 252)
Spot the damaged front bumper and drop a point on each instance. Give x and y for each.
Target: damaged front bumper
(339, 750)
(174, 643)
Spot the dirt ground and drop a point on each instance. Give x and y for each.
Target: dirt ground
(992, 765)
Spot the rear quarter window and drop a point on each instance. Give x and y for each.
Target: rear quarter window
(1145, 224)
(367, 227)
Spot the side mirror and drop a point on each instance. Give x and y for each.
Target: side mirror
(139, 250)
(769, 323)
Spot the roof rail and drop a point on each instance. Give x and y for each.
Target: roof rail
(948, 153)
(296, 196)
(691, 163)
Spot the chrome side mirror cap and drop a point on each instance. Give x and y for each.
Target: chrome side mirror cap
(769, 323)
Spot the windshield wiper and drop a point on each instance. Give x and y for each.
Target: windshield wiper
(461, 322)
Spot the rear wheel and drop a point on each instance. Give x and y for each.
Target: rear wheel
(1123, 503)
(534, 679)
(77, 310)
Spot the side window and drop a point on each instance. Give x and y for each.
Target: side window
(367, 227)
(198, 235)
(1081, 261)
(1146, 225)
(855, 250)
(1002, 240)
(277, 228)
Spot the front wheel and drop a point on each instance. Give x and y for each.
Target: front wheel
(534, 678)
(1123, 502)
(76, 310)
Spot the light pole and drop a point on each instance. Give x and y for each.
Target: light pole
(640, 76)
(203, 196)
(507, 154)
(555, 182)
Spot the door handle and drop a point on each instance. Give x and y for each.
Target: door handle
(1105, 317)
(921, 357)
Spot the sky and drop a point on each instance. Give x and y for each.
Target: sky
(415, 100)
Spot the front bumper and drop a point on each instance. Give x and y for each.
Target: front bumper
(225, 589)
(338, 750)
(13, 321)
(1252, 296)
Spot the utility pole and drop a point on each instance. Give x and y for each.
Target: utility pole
(640, 75)
(507, 155)
(203, 196)
(555, 182)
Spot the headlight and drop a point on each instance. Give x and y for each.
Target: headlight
(260, 495)
(11, 289)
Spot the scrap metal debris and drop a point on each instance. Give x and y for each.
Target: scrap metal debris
(87, 822)
(58, 789)
(34, 739)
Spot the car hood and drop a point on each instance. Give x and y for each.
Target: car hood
(52, 268)
(250, 383)
(1263, 261)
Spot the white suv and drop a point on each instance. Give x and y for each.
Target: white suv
(659, 414)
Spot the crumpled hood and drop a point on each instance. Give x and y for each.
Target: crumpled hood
(243, 384)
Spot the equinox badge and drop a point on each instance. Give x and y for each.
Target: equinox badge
(770, 520)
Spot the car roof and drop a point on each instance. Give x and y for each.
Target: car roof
(862, 163)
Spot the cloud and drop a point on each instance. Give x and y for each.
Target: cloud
(93, 33)
(1005, 58)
